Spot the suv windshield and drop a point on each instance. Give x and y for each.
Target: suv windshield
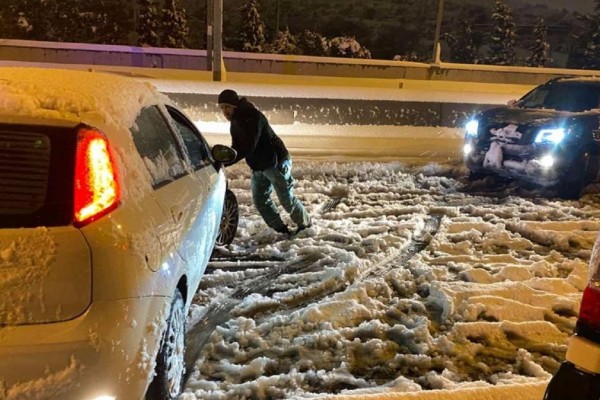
(563, 96)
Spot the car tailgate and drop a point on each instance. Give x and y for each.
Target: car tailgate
(45, 275)
(45, 263)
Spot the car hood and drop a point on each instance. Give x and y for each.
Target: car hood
(521, 126)
(524, 116)
(45, 275)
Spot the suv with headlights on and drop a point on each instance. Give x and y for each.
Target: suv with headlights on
(578, 377)
(111, 202)
(550, 137)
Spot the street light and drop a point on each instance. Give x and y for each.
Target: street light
(218, 45)
(214, 39)
(438, 29)
(209, 34)
(277, 25)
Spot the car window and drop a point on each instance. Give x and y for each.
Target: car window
(572, 96)
(34, 159)
(196, 146)
(157, 147)
(535, 98)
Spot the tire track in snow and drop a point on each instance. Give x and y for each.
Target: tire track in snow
(218, 313)
(416, 245)
(223, 259)
(330, 205)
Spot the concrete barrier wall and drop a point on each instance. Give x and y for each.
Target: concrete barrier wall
(290, 110)
(312, 111)
(146, 57)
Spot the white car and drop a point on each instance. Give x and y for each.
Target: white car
(110, 205)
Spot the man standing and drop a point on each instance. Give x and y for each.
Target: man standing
(268, 158)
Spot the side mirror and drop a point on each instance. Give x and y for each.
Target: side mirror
(511, 103)
(223, 154)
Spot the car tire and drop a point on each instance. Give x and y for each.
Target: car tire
(229, 220)
(574, 180)
(473, 176)
(170, 361)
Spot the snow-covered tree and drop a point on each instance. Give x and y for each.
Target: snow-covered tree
(539, 52)
(284, 43)
(55, 20)
(174, 25)
(30, 19)
(347, 46)
(462, 43)
(69, 22)
(312, 43)
(586, 53)
(147, 27)
(109, 21)
(252, 32)
(503, 37)
(412, 57)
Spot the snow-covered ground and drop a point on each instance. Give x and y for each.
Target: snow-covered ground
(411, 284)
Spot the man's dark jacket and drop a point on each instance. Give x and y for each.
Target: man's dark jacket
(254, 139)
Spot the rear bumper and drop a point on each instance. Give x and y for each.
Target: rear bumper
(570, 383)
(108, 351)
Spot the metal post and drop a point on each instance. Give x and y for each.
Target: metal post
(209, 34)
(277, 25)
(136, 17)
(218, 41)
(438, 30)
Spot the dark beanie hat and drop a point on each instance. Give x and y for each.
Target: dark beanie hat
(230, 97)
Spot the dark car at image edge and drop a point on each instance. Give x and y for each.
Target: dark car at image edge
(550, 137)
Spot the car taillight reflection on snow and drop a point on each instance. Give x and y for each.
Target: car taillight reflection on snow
(96, 187)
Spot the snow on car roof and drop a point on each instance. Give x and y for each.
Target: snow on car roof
(73, 95)
(591, 79)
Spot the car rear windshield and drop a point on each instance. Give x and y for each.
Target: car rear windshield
(564, 96)
(36, 176)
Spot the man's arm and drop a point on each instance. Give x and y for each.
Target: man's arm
(245, 136)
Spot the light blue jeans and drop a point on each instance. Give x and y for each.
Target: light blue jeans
(279, 178)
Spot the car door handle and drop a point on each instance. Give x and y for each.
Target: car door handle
(177, 213)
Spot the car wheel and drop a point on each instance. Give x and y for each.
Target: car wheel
(229, 220)
(476, 175)
(574, 180)
(170, 362)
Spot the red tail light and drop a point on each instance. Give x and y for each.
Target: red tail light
(96, 186)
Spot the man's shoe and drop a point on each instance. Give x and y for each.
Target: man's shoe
(284, 230)
(300, 228)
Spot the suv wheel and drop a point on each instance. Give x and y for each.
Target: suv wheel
(473, 176)
(574, 180)
(229, 220)
(170, 362)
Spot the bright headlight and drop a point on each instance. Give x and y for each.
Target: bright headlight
(472, 127)
(467, 149)
(550, 135)
(547, 161)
